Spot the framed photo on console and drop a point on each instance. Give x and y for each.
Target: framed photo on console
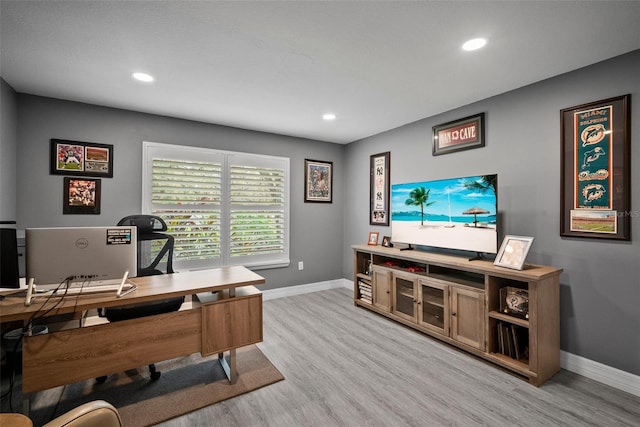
(77, 158)
(513, 251)
(373, 238)
(81, 196)
(595, 188)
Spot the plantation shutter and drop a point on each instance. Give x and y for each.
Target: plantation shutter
(187, 194)
(222, 208)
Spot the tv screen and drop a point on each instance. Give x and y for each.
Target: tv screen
(456, 213)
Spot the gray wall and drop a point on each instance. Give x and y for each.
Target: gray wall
(8, 148)
(316, 229)
(600, 289)
(600, 319)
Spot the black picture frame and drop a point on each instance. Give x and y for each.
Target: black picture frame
(318, 181)
(77, 158)
(459, 135)
(81, 196)
(595, 177)
(379, 173)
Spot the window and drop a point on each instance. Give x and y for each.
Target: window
(222, 207)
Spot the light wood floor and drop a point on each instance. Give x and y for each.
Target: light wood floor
(345, 366)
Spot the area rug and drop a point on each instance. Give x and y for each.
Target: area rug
(186, 384)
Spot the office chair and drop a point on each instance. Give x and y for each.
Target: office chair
(150, 228)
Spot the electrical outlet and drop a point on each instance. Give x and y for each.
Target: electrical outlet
(300, 265)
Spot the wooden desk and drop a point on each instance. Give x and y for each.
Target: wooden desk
(230, 319)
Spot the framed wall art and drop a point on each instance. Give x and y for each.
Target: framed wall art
(595, 188)
(458, 135)
(513, 251)
(81, 196)
(75, 158)
(318, 181)
(380, 168)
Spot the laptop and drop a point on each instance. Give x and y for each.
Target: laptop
(72, 260)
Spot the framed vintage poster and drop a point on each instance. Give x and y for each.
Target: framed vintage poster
(318, 181)
(81, 196)
(77, 158)
(380, 168)
(513, 251)
(595, 188)
(459, 135)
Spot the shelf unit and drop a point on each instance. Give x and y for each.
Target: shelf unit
(459, 301)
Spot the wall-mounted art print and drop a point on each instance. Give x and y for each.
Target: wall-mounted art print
(318, 181)
(380, 168)
(458, 135)
(75, 158)
(81, 196)
(595, 189)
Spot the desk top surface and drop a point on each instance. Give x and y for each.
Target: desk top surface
(149, 288)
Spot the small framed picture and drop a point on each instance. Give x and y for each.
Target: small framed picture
(386, 242)
(75, 158)
(513, 251)
(81, 196)
(318, 181)
(373, 238)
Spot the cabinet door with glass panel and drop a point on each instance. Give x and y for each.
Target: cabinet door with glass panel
(405, 295)
(433, 309)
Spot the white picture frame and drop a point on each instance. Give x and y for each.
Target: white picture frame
(513, 252)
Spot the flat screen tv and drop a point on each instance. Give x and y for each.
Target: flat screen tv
(456, 213)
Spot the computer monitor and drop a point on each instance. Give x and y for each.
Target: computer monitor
(8, 258)
(96, 253)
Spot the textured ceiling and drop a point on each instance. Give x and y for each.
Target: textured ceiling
(278, 66)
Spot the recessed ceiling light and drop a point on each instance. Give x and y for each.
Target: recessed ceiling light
(474, 44)
(328, 117)
(143, 77)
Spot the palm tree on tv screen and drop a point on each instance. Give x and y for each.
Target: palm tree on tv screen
(483, 185)
(419, 197)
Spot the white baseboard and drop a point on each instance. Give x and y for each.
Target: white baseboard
(306, 289)
(596, 371)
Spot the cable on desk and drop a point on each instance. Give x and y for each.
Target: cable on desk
(29, 326)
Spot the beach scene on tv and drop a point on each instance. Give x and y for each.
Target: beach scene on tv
(457, 213)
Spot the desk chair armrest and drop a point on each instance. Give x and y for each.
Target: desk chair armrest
(97, 413)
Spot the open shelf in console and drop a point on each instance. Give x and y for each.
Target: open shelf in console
(500, 289)
(461, 277)
(400, 264)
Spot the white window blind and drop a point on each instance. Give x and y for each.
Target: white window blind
(223, 208)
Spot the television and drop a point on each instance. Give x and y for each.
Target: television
(99, 253)
(455, 213)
